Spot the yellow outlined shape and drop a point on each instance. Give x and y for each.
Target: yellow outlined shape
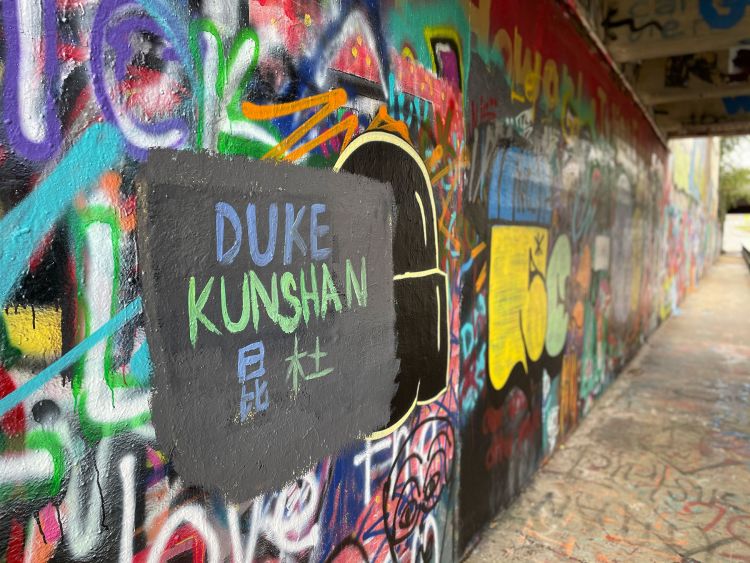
(438, 33)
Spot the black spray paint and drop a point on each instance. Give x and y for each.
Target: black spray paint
(420, 286)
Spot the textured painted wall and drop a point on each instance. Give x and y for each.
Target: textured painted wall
(359, 355)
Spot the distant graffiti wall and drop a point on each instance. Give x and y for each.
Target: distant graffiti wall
(315, 281)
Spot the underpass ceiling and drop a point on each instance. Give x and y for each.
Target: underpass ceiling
(688, 60)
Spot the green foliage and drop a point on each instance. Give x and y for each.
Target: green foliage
(734, 181)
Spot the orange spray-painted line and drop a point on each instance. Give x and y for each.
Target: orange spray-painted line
(435, 157)
(330, 102)
(384, 122)
(477, 250)
(481, 279)
(442, 173)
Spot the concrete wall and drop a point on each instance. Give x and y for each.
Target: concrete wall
(360, 354)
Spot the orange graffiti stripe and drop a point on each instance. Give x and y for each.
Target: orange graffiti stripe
(331, 101)
(434, 159)
(481, 279)
(442, 223)
(441, 174)
(478, 249)
(384, 122)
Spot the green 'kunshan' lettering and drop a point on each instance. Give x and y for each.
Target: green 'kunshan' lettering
(195, 309)
(302, 299)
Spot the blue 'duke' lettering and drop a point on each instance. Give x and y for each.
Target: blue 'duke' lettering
(225, 212)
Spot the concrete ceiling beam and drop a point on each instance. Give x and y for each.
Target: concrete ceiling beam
(701, 117)
(647, 29)
(713, 74)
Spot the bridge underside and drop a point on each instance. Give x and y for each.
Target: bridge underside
(689, 62)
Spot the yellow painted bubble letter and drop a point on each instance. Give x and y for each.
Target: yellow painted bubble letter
(517, 299)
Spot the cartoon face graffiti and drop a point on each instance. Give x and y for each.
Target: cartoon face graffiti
(417, 479)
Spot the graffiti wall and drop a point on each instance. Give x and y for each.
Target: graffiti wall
(692, 228)
(314, 280)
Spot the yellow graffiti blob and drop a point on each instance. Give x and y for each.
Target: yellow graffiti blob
(36, 332)
(517, 299)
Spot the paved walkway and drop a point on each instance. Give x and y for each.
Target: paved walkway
(660, 469)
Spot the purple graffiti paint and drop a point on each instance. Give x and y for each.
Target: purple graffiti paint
(114, 25)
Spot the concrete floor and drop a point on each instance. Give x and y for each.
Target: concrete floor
(660, 469)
